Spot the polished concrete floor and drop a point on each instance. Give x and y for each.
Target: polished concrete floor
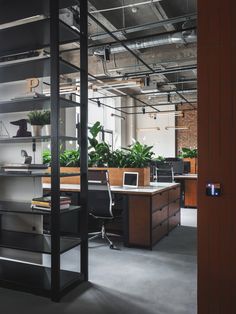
(134, 281)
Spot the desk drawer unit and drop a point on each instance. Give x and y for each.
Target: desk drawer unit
(174, 220)
(159, 200)
(139, 221)
(159, 232)
(159, 215)
(174, 194)
(174, 206)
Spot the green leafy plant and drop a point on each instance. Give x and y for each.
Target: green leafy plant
(47, 117)
(70, 158)
(47, 157)
(188, 153)
(94, 131)
(139, 155)
(39, 117)
(159, 158)
(117, 159)
(101, 155)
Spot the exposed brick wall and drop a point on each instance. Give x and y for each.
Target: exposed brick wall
(187, 138)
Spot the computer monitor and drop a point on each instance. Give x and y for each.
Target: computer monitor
(130, 179)
(176, 163)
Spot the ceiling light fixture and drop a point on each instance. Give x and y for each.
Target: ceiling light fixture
(149, 129)
(22, 21)
(117, 116)
(177, 128)
(175, 113)
(134, 10)
(143, 110)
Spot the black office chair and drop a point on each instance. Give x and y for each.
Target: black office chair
(165, 174)
(100, 202)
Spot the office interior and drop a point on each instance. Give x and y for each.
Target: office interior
(102, 107)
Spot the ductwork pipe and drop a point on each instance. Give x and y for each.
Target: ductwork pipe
(160, 40)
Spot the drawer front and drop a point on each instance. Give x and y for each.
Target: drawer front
(159, 215)
(159, 232)
(159, 200)
(139, 221)
(174, 207)
(174, 194)
(174, 220)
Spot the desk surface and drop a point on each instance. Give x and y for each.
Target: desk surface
(154, 188)
(186, 176)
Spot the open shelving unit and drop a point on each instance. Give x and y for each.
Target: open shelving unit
(36, 67)
(34, 139)
(20, 38)
(37, 103)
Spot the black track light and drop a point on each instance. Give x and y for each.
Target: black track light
(143, 110)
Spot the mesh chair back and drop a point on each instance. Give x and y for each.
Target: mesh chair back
(165, 174)
(99, 194)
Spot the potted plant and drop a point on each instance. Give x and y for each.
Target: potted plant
(136, 158)
(47, 122)
(37, 121)
(190, 155)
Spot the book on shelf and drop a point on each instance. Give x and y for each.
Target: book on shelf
(62, 206)
(44, 203)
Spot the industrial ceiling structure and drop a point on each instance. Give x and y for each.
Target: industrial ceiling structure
(143, 49)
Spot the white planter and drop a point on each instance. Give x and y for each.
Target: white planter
(37, 130)
(47, 130)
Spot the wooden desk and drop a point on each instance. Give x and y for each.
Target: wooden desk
(189, 187)
(151, 212)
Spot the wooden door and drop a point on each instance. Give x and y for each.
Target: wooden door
(217, 155)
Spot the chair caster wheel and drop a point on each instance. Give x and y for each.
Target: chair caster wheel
(111, 246)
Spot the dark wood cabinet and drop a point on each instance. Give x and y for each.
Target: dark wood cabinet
(190, 198)
(151, 217)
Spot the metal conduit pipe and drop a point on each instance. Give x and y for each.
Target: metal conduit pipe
(160, 40)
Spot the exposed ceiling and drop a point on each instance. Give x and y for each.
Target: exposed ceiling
(152, 47)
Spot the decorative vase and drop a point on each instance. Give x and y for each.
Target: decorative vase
(37, 130)
(47, 130)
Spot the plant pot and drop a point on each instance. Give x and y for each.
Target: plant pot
(193, 164)
(115, 175)
(37, 130)
(47, 130)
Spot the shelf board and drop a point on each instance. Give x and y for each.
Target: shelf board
(37, 103)
(27, 8)
(34, 279)
(36, 175)
(25, 208)
(37, 243)
(38, 67)
(34, 139)
(33, 36)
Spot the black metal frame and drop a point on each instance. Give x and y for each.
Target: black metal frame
(84, 136)
(55, 164)
(56, 291)
(51, 282)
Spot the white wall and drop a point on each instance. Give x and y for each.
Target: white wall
(163, 141)
(103, 115)
(18, 189)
